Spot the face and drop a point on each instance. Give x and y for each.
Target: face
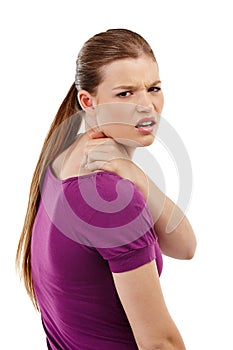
(129, 101)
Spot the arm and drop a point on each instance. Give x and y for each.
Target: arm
(134, 270)
(142, 299)
(175, 234)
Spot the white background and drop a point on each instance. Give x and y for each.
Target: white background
(192, 41)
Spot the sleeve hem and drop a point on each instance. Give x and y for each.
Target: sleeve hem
(133, 259)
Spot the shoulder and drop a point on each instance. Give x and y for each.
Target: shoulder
(120, 210)
(113, 188)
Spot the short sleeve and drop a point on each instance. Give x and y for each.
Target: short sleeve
(129, 237)
(127, 258)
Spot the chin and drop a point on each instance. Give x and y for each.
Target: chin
(146, 140)
(141, 141)
(129, 136)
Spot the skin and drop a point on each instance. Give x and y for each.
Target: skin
(108, 144)
(111, 139)
(130, 91)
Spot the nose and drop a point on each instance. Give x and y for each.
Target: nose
(145, 109)
(144, 104)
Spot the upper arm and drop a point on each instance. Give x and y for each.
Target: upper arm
(130, 246)
(141, 296)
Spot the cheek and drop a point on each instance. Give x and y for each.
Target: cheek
(117, 130)
(113, 114)
(161, 102)
(127, 135)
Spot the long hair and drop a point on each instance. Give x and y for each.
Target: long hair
(96, 53)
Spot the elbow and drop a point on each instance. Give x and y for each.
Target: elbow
(166, 345)
(170, 344)
(186, 252)
(191, 251)
(173, 342)
(190, 246)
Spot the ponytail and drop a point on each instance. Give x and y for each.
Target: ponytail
(61, 135)
(96, 53)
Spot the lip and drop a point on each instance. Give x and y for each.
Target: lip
(147, 119)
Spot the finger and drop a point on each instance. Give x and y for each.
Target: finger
(97, 144)
(83, 160)
(99, 156)
(99, 141)
(96, 165)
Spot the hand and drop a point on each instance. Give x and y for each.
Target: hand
(103, 153)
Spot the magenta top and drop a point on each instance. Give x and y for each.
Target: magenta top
(87, 227)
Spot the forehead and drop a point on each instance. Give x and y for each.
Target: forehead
(131, 70)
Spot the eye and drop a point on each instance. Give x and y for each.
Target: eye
(154, 89)
(125, 94)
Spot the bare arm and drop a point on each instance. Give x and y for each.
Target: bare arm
(175, 234)
(142, 299)
(139, 289)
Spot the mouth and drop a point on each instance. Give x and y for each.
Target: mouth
(146, 125)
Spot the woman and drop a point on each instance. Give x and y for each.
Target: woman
(90, 249)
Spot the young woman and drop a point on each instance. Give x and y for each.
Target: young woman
(95, 227)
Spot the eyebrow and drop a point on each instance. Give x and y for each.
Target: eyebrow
(130, 87)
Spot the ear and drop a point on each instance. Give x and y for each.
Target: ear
(85, 100)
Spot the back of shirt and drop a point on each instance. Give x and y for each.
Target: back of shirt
(87, 227)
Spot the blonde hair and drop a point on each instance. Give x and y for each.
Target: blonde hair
(97, 52)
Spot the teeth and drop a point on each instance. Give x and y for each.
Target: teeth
(149, 123)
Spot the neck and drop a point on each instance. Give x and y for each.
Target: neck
(130, 151)
(87, 135)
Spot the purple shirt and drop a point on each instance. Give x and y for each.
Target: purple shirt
(87, 227)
